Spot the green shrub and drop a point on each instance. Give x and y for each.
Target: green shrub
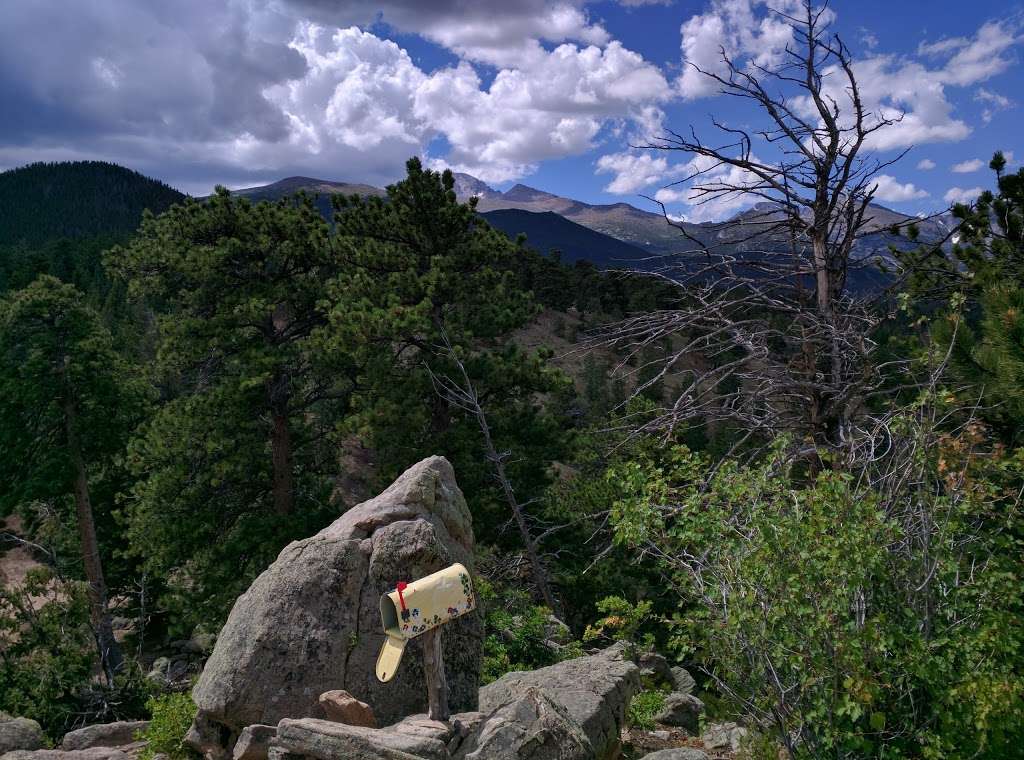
(46, 650)
(847, 620)
(623, 621)
(643, 707)
(172, 715)
(517, 633)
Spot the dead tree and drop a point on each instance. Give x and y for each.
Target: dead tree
(764, 297)
(461, 392)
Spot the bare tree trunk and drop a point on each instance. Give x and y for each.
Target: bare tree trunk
(464, 396)
(281, 453)
(823, 285)
(111, 658)
(540, 576)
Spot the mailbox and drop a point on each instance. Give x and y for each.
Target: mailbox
(415, 608)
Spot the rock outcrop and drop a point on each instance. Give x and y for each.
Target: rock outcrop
(570, 711)
(19, 734)
(594, 691)
(104, 735)
(530, 727)
(310, 623)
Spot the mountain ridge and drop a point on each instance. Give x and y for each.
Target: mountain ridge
(649, 232)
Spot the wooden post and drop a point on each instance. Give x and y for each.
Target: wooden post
(433, 670)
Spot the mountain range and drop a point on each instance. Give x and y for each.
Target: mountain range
(89, 198)
(616, 234)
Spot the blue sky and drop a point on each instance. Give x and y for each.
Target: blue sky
(550, 93)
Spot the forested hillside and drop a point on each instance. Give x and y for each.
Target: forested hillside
(80, 199)
(58, 218)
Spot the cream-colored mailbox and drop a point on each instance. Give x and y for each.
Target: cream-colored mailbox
(419, 608)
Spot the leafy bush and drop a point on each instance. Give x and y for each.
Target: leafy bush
(643, 707)
(172, 715)
(623, 621)
(518, 635)
(46, 649)
(851, 621)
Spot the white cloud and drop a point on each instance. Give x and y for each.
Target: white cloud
(735, 27)
(960, 195)
(979, 57)
(501, 34)
(890, 189)
(925, 164)
(632, 171)
(897, 88)
(237, 91)
(553, 108)
(966, 167)
(993, 103)
(893, 87)
(718, 178)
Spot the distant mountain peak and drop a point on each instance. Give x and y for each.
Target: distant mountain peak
(525, 193)
(468, 186)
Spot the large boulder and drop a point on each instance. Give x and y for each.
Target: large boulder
(594, 692)
(530, 727)
(311, 622)
(19, 734)
(104, 735)
(570, 711)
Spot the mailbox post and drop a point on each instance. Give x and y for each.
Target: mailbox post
(419, 609)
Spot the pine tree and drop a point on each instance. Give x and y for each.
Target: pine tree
(67, 404)
(235, 452)
(432, 292)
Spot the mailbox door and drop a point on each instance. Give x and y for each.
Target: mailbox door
(389, 658)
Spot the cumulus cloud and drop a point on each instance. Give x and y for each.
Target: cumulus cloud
(968, 166)
(746, 30)
(888, 188)
(892, 86)
(632, 171)
(237, 90)
(494, 32)
(925, 164)
(553, 109)
(960, 195)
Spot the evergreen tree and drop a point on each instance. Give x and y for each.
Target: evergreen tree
(430, 286)
(981, 285)
(67, 405)
(235, 452)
